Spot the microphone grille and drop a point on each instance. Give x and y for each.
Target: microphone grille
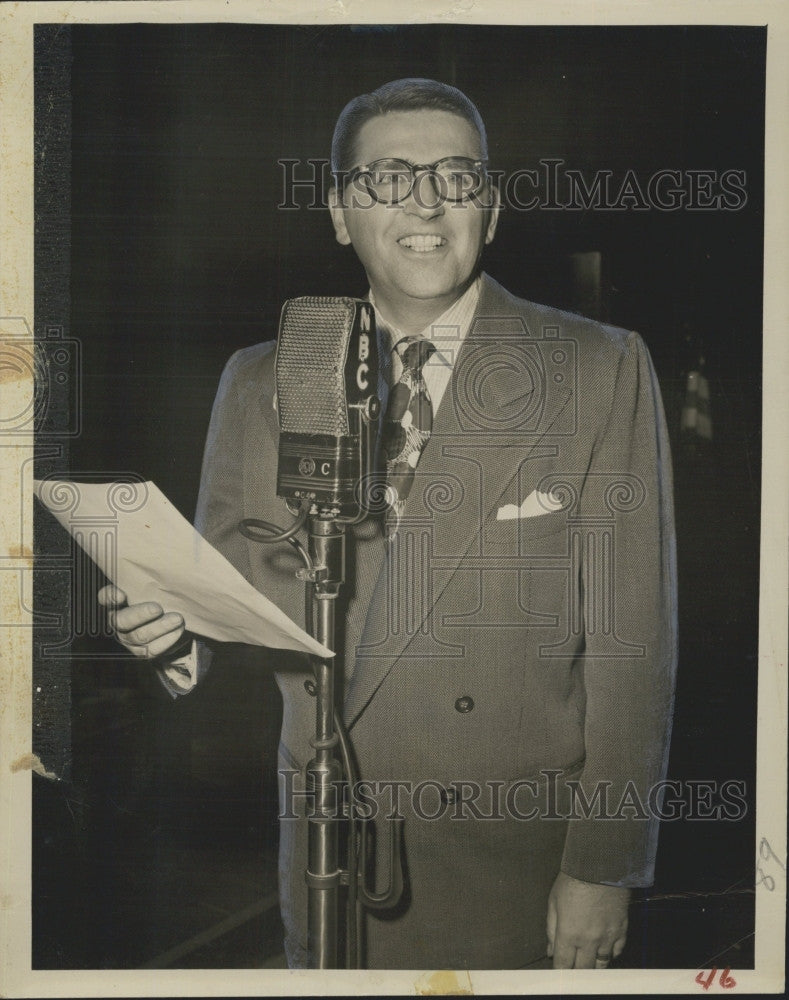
(313, 346)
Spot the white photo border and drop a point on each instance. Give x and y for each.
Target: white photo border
(17, 979)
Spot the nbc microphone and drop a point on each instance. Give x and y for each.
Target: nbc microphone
(327, 383)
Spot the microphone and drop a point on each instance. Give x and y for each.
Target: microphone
(326, 375)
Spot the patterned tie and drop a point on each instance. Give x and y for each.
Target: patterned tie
(407, 427)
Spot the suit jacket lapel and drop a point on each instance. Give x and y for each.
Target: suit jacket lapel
(476, 448)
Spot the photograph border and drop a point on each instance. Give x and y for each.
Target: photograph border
(17, 761)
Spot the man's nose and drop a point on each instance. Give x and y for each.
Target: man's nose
(426, 199)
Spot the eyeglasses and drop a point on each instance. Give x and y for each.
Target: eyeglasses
(455, 178)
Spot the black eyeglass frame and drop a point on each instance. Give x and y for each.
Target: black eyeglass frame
(477, 167)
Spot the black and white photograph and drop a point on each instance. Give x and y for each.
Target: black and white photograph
(394, 529)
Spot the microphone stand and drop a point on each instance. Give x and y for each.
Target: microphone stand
(325, 573)
(324, 772)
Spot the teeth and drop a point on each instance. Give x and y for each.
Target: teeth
(422, 243)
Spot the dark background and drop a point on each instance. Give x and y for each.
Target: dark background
(161, 249)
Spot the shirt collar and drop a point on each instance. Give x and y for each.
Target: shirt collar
(447, 332)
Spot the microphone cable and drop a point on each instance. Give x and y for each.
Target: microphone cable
(250, 527)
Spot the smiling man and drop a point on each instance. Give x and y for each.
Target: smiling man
(420, 251)
(510, 633)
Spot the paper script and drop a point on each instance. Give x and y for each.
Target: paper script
(152, 553)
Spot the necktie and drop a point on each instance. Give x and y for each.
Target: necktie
(407, 427)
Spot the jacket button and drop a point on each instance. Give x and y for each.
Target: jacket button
(309, 686)
(464, 704)
(448, 796)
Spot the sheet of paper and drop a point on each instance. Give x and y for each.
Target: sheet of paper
(148, 549)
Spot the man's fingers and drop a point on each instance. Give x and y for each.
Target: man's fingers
(586, 957)
(619, 946)
(111, 597)
(150, 631)
(550, 926)
(165, 642)
(128, 619)
(144, 629)
(602, 960)
(563, 953)
(158, 646)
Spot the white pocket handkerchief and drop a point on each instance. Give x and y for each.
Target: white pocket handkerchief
(535, 504)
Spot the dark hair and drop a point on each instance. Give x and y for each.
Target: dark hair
(410, 94)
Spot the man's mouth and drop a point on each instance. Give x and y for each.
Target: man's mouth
(421, 244)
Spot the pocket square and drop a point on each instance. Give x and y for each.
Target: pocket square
(535, 505)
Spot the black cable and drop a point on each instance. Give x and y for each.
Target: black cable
(250, 527)
(353, 920)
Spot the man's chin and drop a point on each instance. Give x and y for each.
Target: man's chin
(424, 288)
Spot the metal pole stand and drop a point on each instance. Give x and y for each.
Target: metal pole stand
(325, 778)
(324, 771)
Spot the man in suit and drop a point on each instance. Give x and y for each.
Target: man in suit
(509, 637)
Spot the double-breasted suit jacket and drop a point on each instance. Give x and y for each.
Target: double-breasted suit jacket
(509, 657)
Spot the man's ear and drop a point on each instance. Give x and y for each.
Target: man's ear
(337, 212)
(495, 208)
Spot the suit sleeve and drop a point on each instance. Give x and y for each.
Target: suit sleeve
(631, 645)
(218, 512)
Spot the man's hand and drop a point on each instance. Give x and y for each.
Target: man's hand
(587, 923)
(144, 629)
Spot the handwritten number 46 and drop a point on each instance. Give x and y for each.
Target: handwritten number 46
(705, 979)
